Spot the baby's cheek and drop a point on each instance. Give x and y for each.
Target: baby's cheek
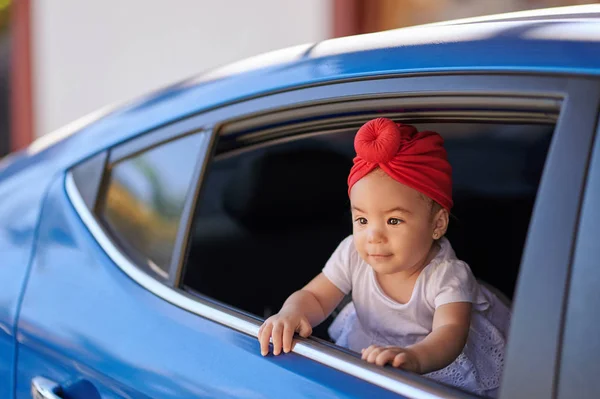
(358, 241)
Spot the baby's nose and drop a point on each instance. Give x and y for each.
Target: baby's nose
(375, 235)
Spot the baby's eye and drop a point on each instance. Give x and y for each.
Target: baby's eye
(394, 221)
(361, 220)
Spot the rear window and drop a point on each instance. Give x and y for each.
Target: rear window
(144, 199)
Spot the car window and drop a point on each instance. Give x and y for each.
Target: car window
(144, 197)
(580, 367)
(272, 215)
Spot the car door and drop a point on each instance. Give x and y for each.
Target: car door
(105, 312)
(534, 341)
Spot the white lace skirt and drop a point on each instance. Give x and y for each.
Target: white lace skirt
(478, 368)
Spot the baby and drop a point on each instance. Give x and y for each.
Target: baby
(414, 304)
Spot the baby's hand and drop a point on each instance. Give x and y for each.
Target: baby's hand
(397, 357)
(281, 327)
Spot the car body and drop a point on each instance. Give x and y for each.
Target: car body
(83, 315)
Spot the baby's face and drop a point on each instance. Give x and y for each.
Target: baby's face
(393, 224)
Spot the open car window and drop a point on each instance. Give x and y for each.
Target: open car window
(270, 214)
(282, 208)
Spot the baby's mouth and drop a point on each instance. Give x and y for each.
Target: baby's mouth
(380, 256)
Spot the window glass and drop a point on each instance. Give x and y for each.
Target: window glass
(144, 200)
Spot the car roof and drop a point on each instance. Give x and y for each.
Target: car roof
(559, 40)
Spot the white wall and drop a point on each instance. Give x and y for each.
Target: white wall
(87, 53)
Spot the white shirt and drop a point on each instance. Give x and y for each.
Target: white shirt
(375, 318)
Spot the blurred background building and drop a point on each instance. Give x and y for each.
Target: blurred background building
(62, 59)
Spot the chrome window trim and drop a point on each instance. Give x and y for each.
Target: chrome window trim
(387, 379)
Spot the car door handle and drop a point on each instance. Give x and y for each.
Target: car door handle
(43, 388)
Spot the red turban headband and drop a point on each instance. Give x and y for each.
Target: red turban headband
(415, 159)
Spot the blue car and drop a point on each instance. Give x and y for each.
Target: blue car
(141, 248)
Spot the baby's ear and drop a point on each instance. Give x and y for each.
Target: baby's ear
(441, 218)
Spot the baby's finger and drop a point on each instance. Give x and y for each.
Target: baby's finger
(264, 339)
(373, 355)
(277, 338)
(386, 356)
(399, 359)
(367, 351)
(288, 335)
(305, 328)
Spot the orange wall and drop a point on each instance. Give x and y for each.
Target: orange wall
(365, 16)
(21, 131)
